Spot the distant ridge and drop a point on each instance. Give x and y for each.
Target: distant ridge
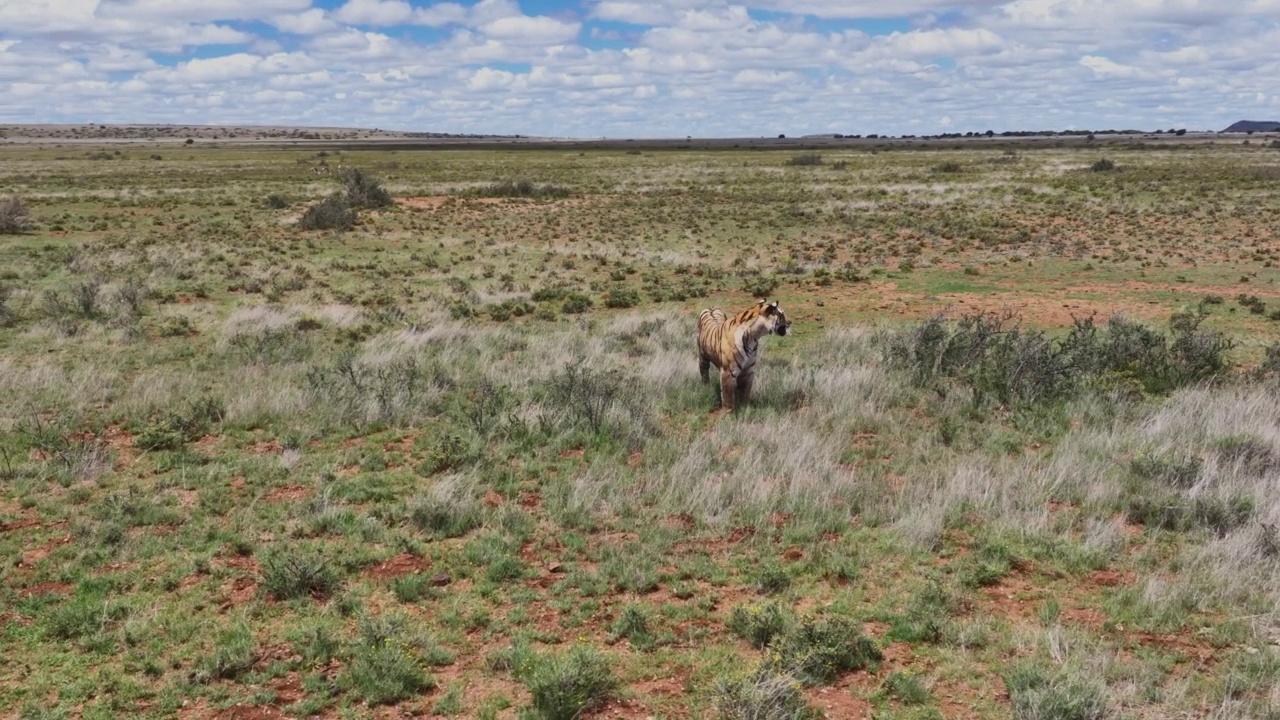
(1254, 126)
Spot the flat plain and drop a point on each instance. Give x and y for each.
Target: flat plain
(1017, 459)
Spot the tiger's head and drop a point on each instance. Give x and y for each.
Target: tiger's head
(775, 317)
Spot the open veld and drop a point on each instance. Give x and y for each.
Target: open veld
(455, 459)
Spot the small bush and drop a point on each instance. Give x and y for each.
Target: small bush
(522, 189)
(1038, 695)
(579, 395)
(159, 436)
(1174, 472)
(15, 216)
(633, 624)
(364, 191)
(82, 615)
(444, 514)
(277, 202)
(805, 160)
(1253, 454)
(948, 168)
(293, 571)
(759, 624)
(1103, 165)
(1252, 303)
(233, 654)
(576, 303)
(332, 213)
(566, 684)
(762, 693)
(385, 671)
(820, 648)
(622, 296)
(759, 285)
(906, 688)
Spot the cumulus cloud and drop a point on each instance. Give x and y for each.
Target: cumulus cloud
(675, 67)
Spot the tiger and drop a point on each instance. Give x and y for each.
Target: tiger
(733, 346)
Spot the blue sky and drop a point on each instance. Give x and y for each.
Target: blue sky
(641, 68)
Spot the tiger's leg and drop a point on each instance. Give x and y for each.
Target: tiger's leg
(704, 367)
(728, 389)
(744, 389)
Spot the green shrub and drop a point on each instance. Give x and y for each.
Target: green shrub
(15, 217)
(762, 693)
(565, 684)
(1171, 471)
(332, 213)
(1037, 694)
(296, 570)
(277, 202)
(159, 436)
(364, 191)
(1000, 363)
(759, 624)
(821, 647)
(622, 296)
(805, 160)
(1102, 165)
(906, 688)
(633, 624)
(233, 653)
(576, 303)
(521, 189)
(385, 672)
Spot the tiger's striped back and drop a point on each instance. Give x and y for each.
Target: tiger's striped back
(733, 345)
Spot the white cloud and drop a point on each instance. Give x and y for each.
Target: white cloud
(192, 11)
(1105, 67)
(531, 30)
(307, 22)
(374, 12)
(718, 67)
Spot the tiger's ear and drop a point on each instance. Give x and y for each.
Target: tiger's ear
(771, 309)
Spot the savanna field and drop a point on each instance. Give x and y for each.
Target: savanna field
(425, 436)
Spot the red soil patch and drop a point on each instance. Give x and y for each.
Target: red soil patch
(1110, 578)
(680, 521)
(493, 499)
(265, 447)
(573, 453)
(288, 493)
(31, 557)
(46, 588)
(530, 499)
(1090, 618)
(119, 440)
(402, 564)
(206, 444)
(839, 702)
(247, 563)
(1015, 597)
(19, 525)
(238, 591)
(238, 482)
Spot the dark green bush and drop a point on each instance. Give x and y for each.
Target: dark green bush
(295, 570)
(762, 693)
(332, 213)
(564, 685)
(15, 216)
(364, 191)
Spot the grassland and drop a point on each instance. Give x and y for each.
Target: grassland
(457, 461)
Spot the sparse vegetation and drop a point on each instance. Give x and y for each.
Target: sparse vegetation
(249, 467)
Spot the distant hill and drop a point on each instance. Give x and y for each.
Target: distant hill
(1254, 126)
